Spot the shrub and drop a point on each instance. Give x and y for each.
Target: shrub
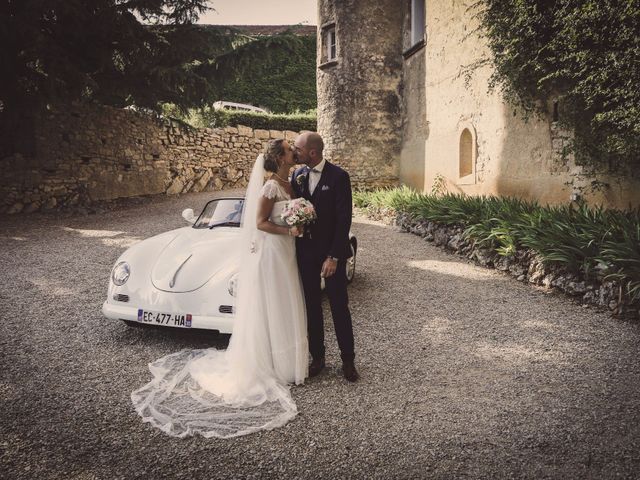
(208, 117)
(592, 242)
(265, 121)
(281, 79)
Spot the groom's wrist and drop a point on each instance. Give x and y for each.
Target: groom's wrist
(335, 259)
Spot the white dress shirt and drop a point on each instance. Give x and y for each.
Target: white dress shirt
(314, 175)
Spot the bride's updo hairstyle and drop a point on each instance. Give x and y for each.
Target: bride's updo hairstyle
(272, 152)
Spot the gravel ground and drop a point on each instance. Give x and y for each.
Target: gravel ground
(465, 372)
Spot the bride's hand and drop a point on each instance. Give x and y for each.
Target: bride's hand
(296, 231)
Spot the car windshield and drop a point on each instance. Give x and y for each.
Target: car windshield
(225, 212)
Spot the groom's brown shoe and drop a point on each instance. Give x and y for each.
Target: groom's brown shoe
(316, 367)
(349, 371)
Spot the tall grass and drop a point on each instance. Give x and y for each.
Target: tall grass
(591, 241)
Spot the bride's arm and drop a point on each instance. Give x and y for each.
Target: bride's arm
(265, 205)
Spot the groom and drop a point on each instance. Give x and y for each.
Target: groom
(324, 250)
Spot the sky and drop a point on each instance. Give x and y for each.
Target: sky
(261, 12)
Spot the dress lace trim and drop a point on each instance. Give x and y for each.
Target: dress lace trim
(272, 189)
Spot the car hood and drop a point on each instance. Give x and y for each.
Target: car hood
(193, 257)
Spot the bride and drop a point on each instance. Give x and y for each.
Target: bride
(245, 388)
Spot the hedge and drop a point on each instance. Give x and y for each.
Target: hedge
(295, 122)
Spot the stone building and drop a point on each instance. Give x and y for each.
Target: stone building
(401, 98)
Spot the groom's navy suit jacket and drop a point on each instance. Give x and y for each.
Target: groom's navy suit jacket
(329, 234)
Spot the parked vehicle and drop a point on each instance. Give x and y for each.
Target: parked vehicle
(221, 105)
(185, 278)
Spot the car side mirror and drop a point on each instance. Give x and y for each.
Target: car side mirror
(188, 215)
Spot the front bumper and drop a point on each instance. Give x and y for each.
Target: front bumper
(224, 324)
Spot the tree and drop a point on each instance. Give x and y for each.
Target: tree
(60, 50)
(114, 52)
(283, 81)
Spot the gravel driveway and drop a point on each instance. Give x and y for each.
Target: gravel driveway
(465, 372)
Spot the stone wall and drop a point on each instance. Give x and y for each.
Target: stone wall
(86, 154)
(359, 92)
(415, 129)
(512, 155)
(525, 265)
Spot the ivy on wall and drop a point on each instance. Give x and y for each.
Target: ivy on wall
(583, 55)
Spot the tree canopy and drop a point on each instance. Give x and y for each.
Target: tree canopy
(586, 56)
(284, 81)
(120, 52)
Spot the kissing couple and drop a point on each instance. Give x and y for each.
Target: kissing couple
(279, 319)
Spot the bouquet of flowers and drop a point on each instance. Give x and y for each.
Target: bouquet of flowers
(298, 212)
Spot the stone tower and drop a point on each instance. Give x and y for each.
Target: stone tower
(359, 80)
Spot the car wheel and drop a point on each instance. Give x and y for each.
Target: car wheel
(132, 323)
(351, 263)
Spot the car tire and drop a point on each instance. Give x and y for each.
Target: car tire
(351, 262)
(132, 323)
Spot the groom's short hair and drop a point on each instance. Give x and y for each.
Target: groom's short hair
(314, 142)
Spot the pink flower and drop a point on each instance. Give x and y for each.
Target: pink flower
(298, 212)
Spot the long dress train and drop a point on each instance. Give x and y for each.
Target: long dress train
(245, 388)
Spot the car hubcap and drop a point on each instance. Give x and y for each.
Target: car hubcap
(351, 265)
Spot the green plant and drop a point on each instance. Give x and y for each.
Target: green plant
(283, 82)
(582, 55)
(590, 241)
(620, 255)
(141, 53)
(439, 185)
(209, 117)
(395, 199)
(266, 121)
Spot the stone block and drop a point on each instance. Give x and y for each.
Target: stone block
(32, 207)
(290, 135)
(245, 131)
(261, 134)
(15, 208)
(202, 183)
(176, 187)
(276, 134)
(440, 237)
(218, 184)
(232, 130)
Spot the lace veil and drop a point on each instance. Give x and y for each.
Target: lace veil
(225, 393)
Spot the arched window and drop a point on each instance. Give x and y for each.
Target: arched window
(466, 153)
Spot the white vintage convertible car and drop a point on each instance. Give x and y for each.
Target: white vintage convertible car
(185, 278)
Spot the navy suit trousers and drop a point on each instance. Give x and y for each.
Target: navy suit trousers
(336, 289)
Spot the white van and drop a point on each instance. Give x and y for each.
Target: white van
(220, 105)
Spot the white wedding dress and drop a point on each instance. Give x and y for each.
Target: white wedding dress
(245, 388)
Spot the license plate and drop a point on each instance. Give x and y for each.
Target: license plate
(182, 320)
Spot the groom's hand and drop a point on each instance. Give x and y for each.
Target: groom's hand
(329, 267)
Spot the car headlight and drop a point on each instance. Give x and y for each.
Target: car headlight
(120, 273)
(233, 285)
